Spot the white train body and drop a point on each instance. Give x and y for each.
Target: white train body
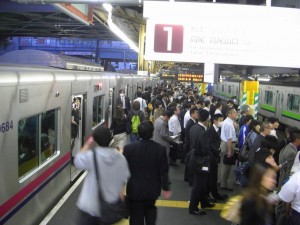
(35, 132)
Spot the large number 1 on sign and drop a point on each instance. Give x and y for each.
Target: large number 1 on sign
(169, 31)
(168, 38)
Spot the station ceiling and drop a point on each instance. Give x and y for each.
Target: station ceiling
(46, 20)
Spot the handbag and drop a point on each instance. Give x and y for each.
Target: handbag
(199, 164)
(229, 161)
(110, 212)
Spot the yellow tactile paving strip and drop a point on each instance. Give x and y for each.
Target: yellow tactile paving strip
(173, 204)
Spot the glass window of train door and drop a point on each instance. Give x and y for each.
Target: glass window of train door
(293, 102)
(98, 112)
(28, 145)
(269, 97)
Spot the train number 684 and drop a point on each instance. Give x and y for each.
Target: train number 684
(6, 126)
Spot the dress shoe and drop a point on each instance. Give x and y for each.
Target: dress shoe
(208, 205)
(220, 197)
(197, 212)
(226, 189)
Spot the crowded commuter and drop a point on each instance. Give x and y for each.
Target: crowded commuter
(244, 110)
(135, 116)
(228, 142)
(113, 170)
(149, 168)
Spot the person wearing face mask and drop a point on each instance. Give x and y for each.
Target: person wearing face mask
(212, 142)
(124, 101)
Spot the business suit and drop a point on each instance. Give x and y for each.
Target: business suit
(200, 179)
(212, 142)
(149, 168)
(288, 153)
(188, 175)
(161, 133)
(127, 103)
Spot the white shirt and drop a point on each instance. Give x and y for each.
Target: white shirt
(218, 111)
(174, 125)
(142, 102)
(296, 165)
(186, 118)
(216, 128)
(273, 133)
(290, 191)
(228, 131)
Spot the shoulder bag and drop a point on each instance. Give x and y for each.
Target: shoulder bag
(245, 151)
(110, 212)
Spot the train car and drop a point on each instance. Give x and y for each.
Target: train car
(277, 99)
(36, 143)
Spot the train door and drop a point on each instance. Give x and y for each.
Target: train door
(77, 128)
(278, 103)
(110, 105)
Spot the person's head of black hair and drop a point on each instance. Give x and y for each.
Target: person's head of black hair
(203, 115)
(145, 130)
(295, 135)
(217, 116)
(248, 118)
(261, 155)
(269, 142)
(167, 113)
(273, 120)
(102, 136)
(206, 103)
(139, 94)
(193, 110)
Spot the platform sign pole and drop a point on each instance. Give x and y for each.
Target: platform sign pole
(244, 98)
(255, 105)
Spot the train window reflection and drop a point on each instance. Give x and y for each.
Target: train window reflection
(98, 112)
(48, 134)
(37, 140)
(293, 102)
(268, 97)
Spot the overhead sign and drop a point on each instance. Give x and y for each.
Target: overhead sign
(222, 34)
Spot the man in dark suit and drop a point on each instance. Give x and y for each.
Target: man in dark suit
(188, 175)
(149, 168)
(200, 159)
(212, 142)
(124, 101)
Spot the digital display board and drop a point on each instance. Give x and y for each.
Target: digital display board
(188, 77)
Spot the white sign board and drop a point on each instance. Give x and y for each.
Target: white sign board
(222, 34)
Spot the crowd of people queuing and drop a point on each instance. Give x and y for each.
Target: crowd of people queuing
(172, 123)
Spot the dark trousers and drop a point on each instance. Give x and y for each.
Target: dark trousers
(295, 218)
(174, 151)
(142, 212)
(199, 191)
(213, 179)
(83, 218)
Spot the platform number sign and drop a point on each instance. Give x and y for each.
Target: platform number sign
(168, 38)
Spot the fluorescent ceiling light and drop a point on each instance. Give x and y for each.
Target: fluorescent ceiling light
(114, 28)
(263, 79)
(108, 7)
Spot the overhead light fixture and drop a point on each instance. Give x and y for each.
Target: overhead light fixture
(116, 30)
(263, 79)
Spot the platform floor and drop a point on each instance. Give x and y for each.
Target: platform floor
(173, 211)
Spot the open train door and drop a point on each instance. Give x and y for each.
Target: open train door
(77, 128)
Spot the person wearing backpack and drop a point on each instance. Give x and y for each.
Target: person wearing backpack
(136, 116)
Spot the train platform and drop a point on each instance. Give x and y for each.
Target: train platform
(173, 211)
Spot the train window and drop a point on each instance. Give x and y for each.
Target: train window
(293, 102)
(98, 112)
(229, 89)
(48, 134)
(37, 140)
(223, 88)
(269, 97)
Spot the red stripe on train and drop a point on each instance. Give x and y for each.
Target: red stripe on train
(18, 197)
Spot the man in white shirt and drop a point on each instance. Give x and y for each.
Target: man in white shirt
(143, 104)
(228, 142)
(290, 194)
(174, 129)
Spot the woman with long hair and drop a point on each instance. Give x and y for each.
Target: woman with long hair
(119, 129)
(256, 206)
